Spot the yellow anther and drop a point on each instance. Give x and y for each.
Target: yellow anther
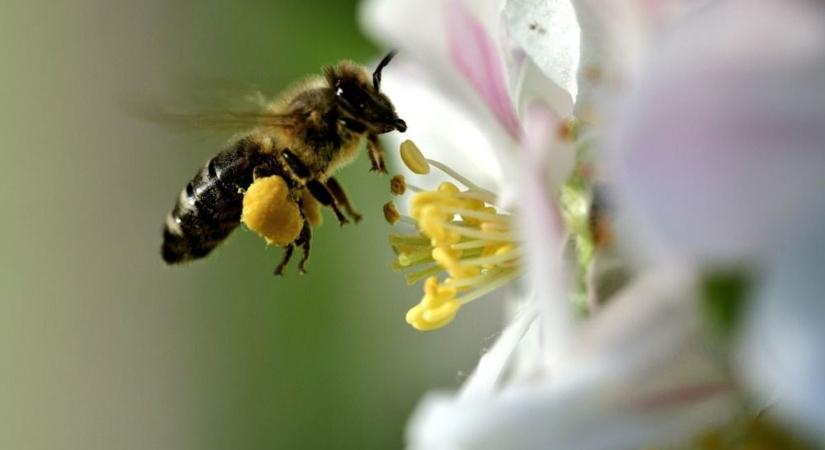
(436, 309)
(445, 256)
(398, 185)
(268, 211)
(439, 235)
(434, 199)
(449, 260)
(442, 315)
(426, 319)
(448, 188)
(391, 213)
(431, 221)
(413, 158)
(435, 294)
(414, 314)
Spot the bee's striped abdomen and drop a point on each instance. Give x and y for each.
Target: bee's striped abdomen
(209, 207)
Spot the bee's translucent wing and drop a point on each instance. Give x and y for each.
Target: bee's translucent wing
(228, 120)
(210, 104)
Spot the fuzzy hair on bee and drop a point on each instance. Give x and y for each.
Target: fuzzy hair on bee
(280, 172)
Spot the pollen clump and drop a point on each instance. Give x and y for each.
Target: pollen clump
(312, 209)
(268, 211)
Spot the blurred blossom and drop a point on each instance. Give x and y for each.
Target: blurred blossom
(719, 149)
(720, 157)
(674, 143)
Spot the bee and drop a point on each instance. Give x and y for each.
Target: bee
(299, 140)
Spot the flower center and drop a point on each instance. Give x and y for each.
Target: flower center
(463, 246)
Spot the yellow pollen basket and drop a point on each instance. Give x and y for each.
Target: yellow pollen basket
(460, 234)
(268, 211)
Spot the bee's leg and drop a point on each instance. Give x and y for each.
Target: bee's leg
(279, 271)
(298, 168)
(323, 195)
(304, 239)
(341, 197)
(376, 154)
(315, 187)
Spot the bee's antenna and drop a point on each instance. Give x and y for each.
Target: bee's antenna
(376, 76)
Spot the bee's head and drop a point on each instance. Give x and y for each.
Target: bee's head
(363, 104)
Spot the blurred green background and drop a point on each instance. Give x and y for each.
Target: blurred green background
(101, 346)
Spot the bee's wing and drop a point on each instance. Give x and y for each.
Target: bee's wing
(229, 120)
(210, 104)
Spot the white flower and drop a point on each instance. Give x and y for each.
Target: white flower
(681, 100)
(468, 99)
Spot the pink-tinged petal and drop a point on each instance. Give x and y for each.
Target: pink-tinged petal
(542, 224)
(783, 343)
(722, 145)
(548, 144)
(683, 395)
(478, 58)
(460, 43)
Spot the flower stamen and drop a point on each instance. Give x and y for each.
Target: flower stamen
(466, 245)
(461, 179)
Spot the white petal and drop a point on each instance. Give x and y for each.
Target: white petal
(444, 128)
(533, 85)
(417, 27)
(549, 32)
(645, 381)
(563, 416)
(493, 364)
(721, 146)
(784, 339)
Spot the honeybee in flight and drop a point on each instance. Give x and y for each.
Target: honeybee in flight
(296, 144)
